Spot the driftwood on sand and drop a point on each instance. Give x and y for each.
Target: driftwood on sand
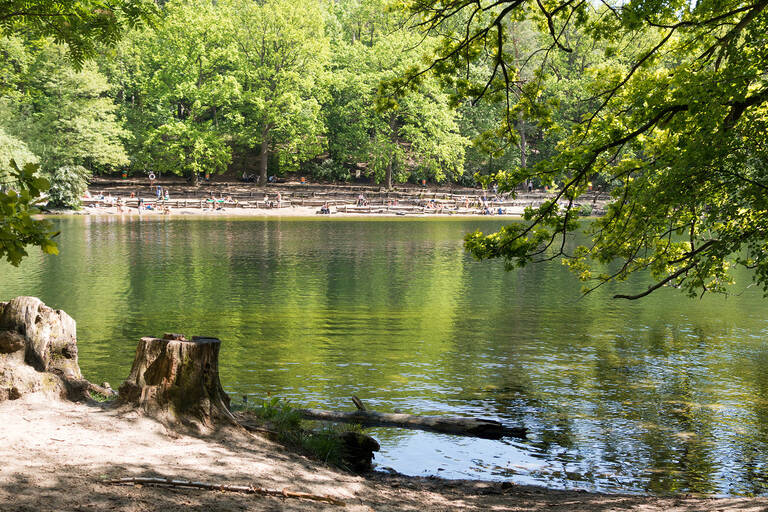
(247, 489)
(476, 427)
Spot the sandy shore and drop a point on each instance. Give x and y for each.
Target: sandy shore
(291, 211)
(57, 454)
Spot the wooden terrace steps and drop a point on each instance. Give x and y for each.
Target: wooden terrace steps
(343, 198)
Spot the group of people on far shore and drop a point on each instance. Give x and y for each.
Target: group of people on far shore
(120, 204)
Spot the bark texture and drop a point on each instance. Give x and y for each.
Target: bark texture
(177, 381)
(38, 351)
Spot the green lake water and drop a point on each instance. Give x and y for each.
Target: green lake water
(666, 394)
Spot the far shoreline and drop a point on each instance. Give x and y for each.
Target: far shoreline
(289, 212)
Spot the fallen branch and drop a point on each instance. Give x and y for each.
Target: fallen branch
(246, 489)
(488, 429)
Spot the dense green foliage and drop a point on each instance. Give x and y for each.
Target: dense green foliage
(81, 25)
(68, 184)
(281, 86)
(35, 82)
(669, 110)
(255, 88)
(20, 192)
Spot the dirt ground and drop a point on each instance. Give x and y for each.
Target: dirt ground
(55, 456)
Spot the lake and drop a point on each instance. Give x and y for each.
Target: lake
(663, 395)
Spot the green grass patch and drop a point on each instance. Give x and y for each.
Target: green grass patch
(98, 397)
(323, 443)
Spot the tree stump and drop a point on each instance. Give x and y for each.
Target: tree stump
(177, 381)
(38, 351)
(47, 335)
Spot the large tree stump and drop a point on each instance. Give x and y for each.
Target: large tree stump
(177, 382)
(38, 351)
(47, 335)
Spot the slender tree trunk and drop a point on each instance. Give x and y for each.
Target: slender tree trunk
(393, 138)
(264, 158)
(523, 144)
(520, 121)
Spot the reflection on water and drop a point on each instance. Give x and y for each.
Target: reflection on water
(662, 395)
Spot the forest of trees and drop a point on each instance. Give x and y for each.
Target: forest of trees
(264, 88)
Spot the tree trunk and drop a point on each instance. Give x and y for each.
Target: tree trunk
(177, 382)
(264, 158)
(520, 120)
(393, 137)
(523, 145)
(475, 427)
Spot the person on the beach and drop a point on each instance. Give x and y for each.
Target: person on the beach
(279, 198)
(159, 192)
(167, 195)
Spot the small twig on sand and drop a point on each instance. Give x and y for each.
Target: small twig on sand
(247, 489)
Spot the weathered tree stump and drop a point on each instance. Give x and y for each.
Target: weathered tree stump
(38, 351)
(47, 335)
(177, 381)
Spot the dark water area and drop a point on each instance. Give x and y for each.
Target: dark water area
(664, 395)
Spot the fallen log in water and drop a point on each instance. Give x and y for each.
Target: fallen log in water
(488, 429)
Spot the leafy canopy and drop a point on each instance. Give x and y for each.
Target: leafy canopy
(83, 25)
(19, 196)
(674, 124)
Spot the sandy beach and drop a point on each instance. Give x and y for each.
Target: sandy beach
(57, 455)
(290, 211)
